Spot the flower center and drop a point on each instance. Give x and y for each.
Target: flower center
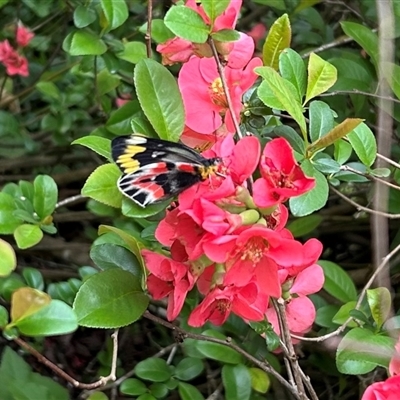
(223, 306)
(254, 250)
(217, 93)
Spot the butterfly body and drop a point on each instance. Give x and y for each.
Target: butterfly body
(155, 170)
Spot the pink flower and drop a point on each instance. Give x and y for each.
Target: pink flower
(15, 63)
(282, 177)
(386, 390)
(216, 307)
(394, 365)
(168, 278)
(23, 35)
(257, 32)
(175, 50)
(204, 97)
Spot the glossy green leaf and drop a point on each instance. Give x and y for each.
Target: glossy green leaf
(305, 225)
(133, 52)
(217, 351)
(321, 119)
(214, 8)
(8, 259)
(226, 35)
(189, 392)
(337, 282)
(159, 32)
(380, 303)
(188, 368)
(260, 381)
(278, 39)
(237, 382)
(45, 195)
(160, 98)
(116, 13)
(283, 91)
(321, 76)
(344, 313)
(108, 255)
(325, 315)
(49, 89)
(324, 163)
(110, 299)
(27, 235)
(342, 151)
(33, 278)
(187, 24)
(153, 369)
(133, 387)
(102, 185)
(3, 317)
(292, 68)
(361, 351)
(98, 144)
(8, 222)
(119, 122)
(364, 36)
(106, 82)
(364, 143)
(84, 16)
(8, 124)
(314, 199)
(84, 43)
(292, 137)
(133, 210)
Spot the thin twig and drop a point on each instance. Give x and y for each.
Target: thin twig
(388, 160)
(148, 33)
(3, 85)
(356, 91)
(69, 200)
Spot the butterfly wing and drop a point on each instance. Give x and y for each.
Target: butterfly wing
(155, 170)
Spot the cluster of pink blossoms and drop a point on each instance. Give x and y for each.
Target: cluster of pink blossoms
(13, 61)
(227, 236)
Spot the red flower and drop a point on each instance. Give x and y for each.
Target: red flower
(394, 365)
(282, 177)
(15, 63)
(168, 278)
(216, 307)
(386, 390)
(204, 97)
(23, 35)
(175, 50)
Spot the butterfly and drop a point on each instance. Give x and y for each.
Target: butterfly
(155, 170)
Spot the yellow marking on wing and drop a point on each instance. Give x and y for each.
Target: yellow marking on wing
(132, 150)
(130, 166)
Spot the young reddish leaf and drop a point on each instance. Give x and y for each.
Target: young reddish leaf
(364, 143)
(338, 132)
(27, 235)
(7, 257)
(27, 301)
(160, 98)
(187, 24)
(380, 303)
(321, 76)
(98, 144)
(110, 299)
(102, 185)
(278, 39)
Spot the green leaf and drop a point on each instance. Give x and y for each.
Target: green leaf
(337, 282)
(133, 387)
(4, 317)
(133, 52)
(110, 299)
(321, 76)
(8, 259)
(8, 124)
(260, 381)
(305, 225)
(325, 164)
(188, 368)
(237, 382)
(342, 151)
(84, 16)
(214, 8)
(187, 24)
(49, 89)
(283, 91)
(57, 318)
(313, 200)
(325, 315)
(226, 35)
(380, 302)
(133, 210)
(159, 32)
(119, 122)
(106, 82)
(321, 119)
(27, 235)
(8, 222)
(83, 43)
(153, 369)
(45, 195)
(116, 13)
(98, 144)
(102, 185)
(344, 313)
(292, 68)
(292, 137)
(108, 255)
(217, 351)
(391, 72)
(278, 39)
(160, 98)
(33, 278)
(361, 351)
(189, 392)
(364, 36)
(364, 144)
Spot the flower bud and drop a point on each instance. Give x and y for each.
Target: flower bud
(249, 217)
